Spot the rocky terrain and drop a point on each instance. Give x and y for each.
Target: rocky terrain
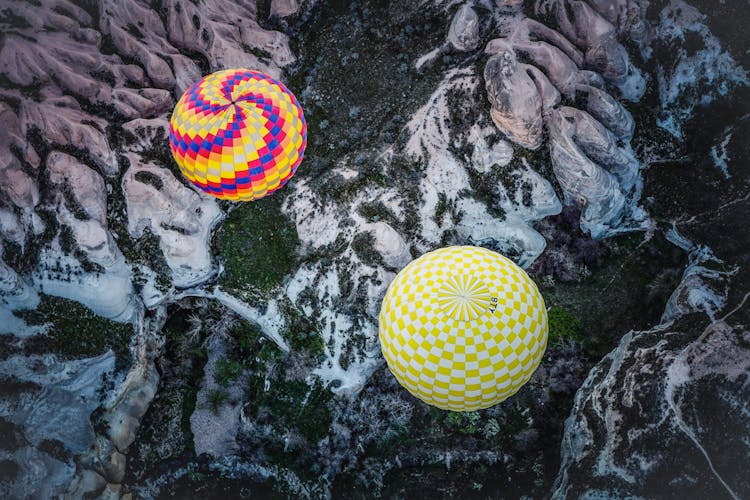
(156, 342)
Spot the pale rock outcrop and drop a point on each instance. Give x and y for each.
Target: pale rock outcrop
(344, 315)
(541, 199)
(512, 237)
(656, 397)
(108, 293)
(58, 405)
(485, 153)
(590, 155)
(390, 245)
(142, 103)
(62, 59)
(19, 187)
(463, 33)
(11, 228)
(15, 293)
(596, 37)
(284, 8)
(703, 286)
(591, 168)
(626, 15)
(64, 123)
(431, 137)
(105, 461)
(138, 33)
(15, 184)
(84, 185)
(516, 102)
(81, 205)
(181, 217)
(228, 35)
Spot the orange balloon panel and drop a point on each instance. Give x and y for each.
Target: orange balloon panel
(238, 134)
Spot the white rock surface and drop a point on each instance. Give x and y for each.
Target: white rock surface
(109, 293)
(591, 159)
(284, 8)
(390, 245)
(181, 217)
(215, 430)
(59, 408)
(463, 33)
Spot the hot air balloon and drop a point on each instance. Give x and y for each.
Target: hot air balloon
(238, 134)
(462, 328)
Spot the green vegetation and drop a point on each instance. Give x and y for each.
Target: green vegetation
(253, 350)
(292, 405)
(257, 243)
(277, 393)
(216, 399)
(563, 325)
(226, 372)
(627, 290)
(465, 422)
(363, 245)
(74, 330)
(148, 252)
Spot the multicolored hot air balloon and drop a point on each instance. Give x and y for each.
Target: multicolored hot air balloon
(463, 328)
(238, 134)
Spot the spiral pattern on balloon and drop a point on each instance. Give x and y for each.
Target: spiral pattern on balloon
(238, 134)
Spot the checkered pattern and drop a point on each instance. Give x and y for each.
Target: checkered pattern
(238, 134)
(463, 328)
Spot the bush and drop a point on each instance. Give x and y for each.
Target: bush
(227, 371)
(257, 243)
(563, 325)
(216, 399)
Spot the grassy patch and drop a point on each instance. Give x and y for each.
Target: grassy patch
(292, 405)
(227, 371)
(75, 331)
(257, 243)
(626, 290)
(563, 325)
(216, 399)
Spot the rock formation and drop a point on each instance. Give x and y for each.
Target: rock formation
(85, 93)
(626, 433)
(590, 156)
(405, 155)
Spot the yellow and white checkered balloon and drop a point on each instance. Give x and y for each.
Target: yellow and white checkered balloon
(463, 328)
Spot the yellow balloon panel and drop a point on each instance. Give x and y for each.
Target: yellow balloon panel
(462, 328)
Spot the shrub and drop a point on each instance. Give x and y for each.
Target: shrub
(563, 325)
(216, 399)
(227, 371)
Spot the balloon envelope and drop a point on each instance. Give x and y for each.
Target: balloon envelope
(462, 328)
(238, 134)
